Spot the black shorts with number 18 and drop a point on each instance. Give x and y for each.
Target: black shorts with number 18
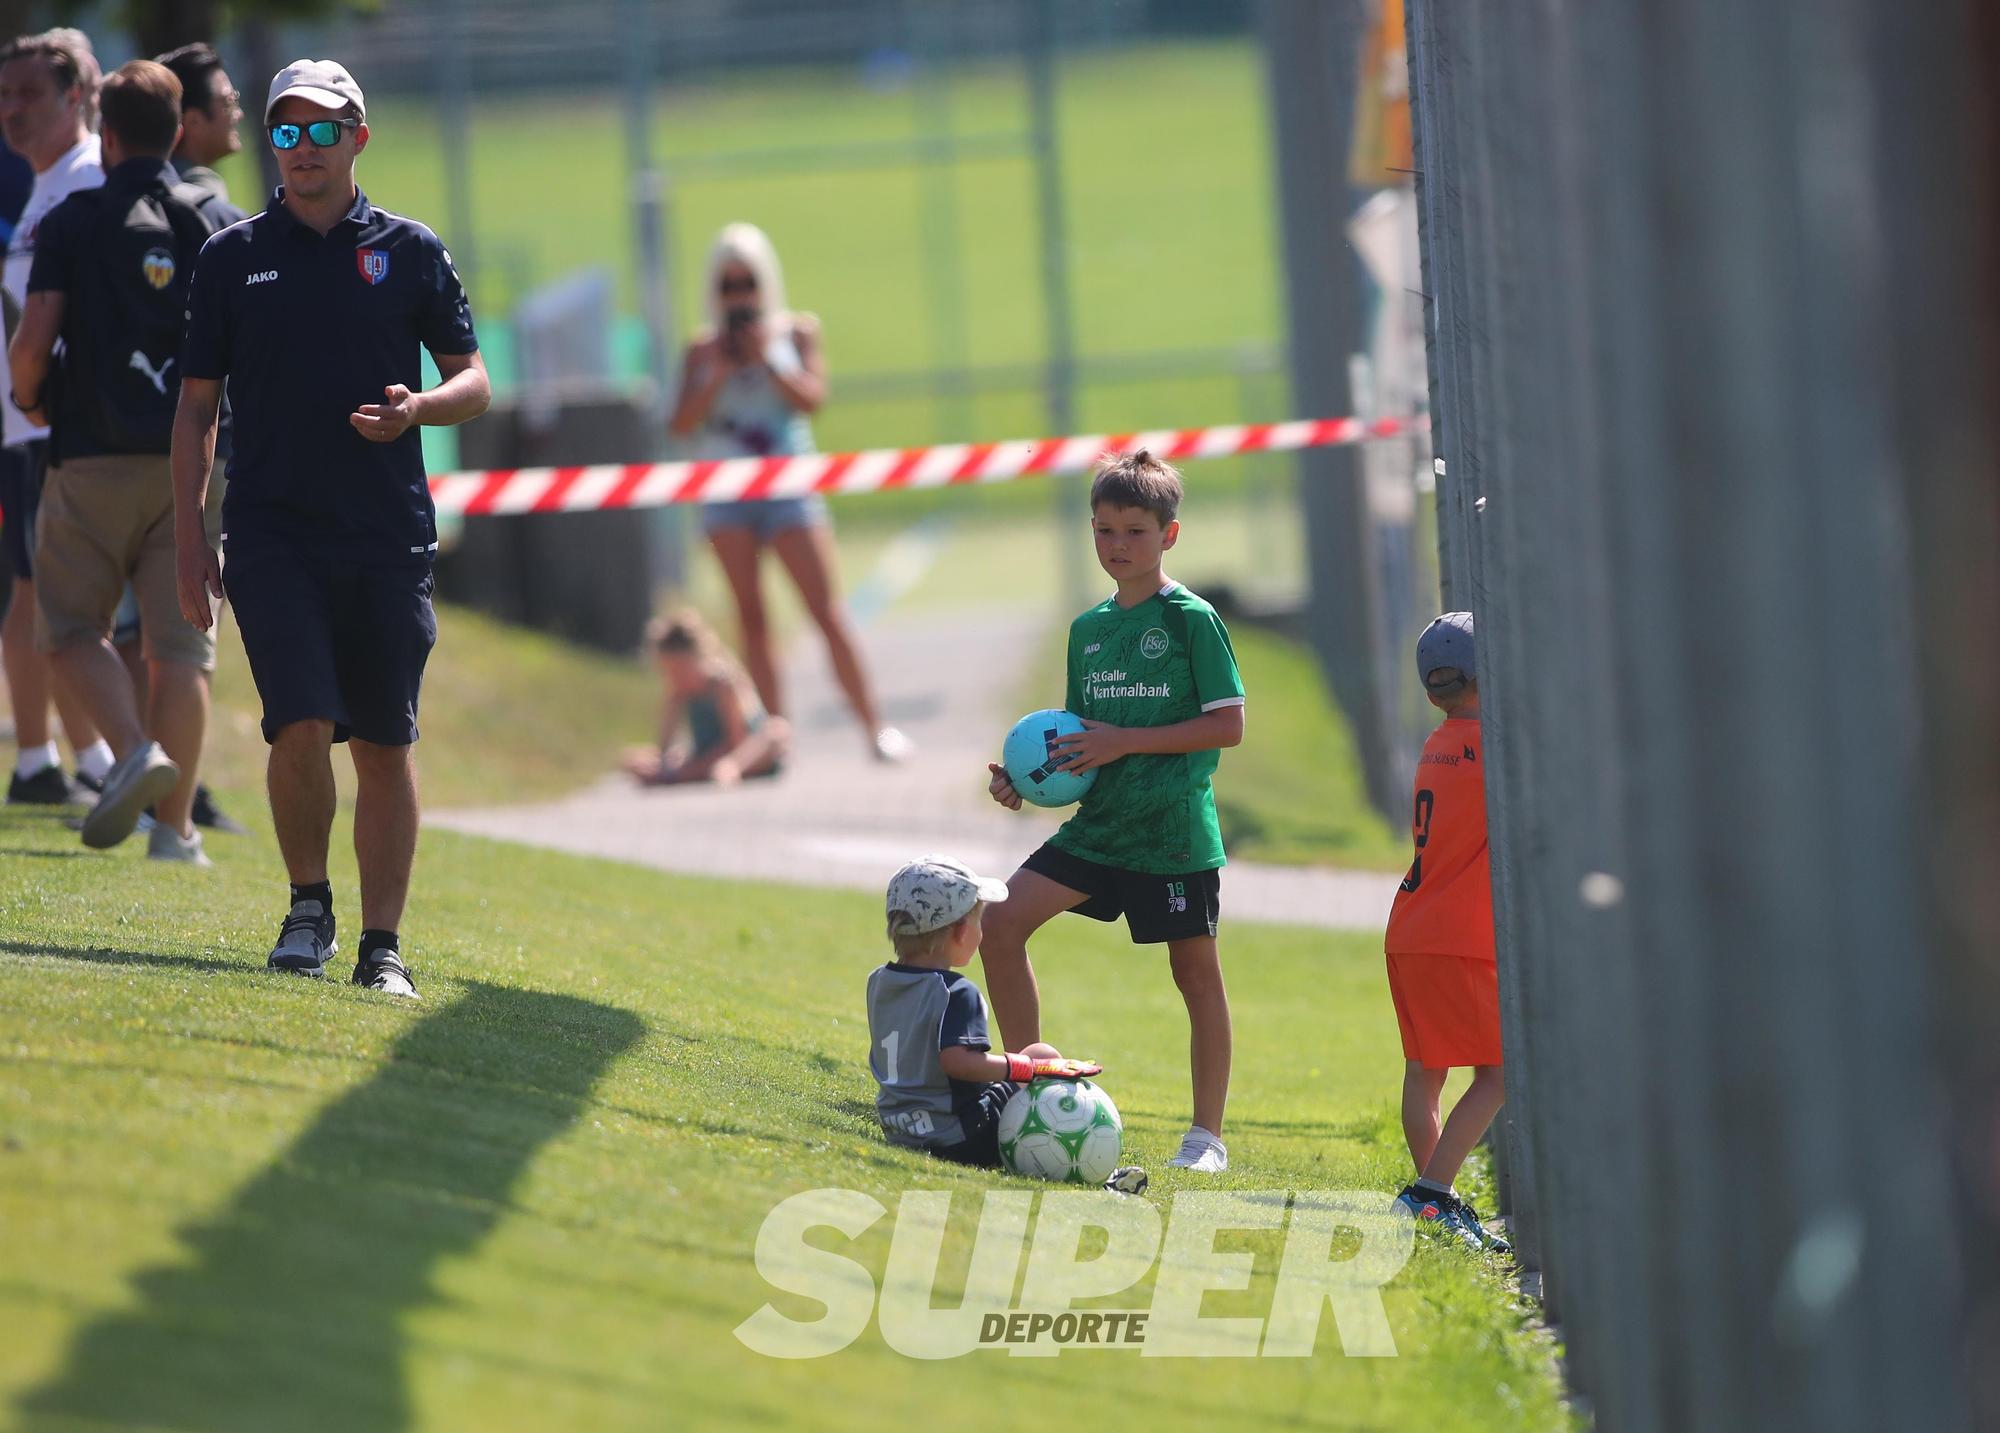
(1156, 908)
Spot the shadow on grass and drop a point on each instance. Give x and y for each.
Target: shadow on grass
(287, 1311)
(105, 955)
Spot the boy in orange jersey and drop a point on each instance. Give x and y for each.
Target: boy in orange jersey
(1440, 944)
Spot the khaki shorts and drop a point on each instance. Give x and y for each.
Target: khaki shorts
(104, 522)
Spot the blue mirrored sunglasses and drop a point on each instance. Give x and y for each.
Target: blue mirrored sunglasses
(323, 132)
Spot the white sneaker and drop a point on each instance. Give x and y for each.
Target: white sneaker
(134, 784)
(892, 745)
(384, 970)
(164, 843)
(1200, 1151)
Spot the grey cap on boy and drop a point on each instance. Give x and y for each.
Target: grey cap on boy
(1447, 642)
(933, 892)
(324, 82)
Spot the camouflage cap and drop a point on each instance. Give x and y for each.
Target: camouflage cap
(933, 892)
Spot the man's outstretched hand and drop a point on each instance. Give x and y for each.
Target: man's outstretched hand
(386, 422)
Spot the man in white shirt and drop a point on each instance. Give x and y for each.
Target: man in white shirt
(47, 85)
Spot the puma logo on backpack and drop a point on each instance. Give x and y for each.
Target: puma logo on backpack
(145, 366)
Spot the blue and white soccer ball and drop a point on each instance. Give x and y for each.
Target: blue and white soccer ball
(1029, 762)
(1064, 1130)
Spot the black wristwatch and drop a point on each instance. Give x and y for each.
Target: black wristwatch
(15, 399)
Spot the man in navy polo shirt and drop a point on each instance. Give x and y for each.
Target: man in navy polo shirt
(314, 311)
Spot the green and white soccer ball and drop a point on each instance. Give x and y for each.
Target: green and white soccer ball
(1065, 1130)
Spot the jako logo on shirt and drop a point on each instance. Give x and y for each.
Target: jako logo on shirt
(261, 278)
(373, 263)
(158, 266)
(1154, 644)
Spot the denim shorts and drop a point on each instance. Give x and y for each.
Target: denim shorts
(766, 517)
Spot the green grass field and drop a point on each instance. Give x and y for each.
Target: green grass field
(231, 1200)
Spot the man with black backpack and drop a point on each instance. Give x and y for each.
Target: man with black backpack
(110, 283)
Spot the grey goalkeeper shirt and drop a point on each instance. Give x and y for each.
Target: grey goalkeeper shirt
(914, 1012)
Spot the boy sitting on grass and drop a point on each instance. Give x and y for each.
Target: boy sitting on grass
(1153, 677)
(942, 1087)
(1442, 975)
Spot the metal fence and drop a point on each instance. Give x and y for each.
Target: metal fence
(643, 52)
(1716, 299)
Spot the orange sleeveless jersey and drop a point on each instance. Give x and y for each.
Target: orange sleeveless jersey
(1445, 904)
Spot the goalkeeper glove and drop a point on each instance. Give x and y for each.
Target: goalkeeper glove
(1021, 1068)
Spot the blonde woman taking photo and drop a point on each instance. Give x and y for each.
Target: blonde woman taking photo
(749, 383)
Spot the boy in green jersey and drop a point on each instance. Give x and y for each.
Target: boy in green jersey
(1152, 674)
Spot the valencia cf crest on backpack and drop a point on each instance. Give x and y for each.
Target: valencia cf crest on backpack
(373, 263)
(158, 267)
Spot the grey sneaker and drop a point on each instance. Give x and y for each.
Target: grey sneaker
(304, 941)
(134, 784)
(164, 843)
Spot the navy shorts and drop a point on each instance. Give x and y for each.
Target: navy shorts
(980, 1118)
(330, 640)
(1156, 908)
(22, 468)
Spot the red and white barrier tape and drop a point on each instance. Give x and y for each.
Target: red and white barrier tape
(639, 485)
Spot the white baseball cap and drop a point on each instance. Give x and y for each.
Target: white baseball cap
(933, 892)
(321, 81)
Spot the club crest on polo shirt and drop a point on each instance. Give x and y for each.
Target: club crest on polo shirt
(158, 266)
(373, 263)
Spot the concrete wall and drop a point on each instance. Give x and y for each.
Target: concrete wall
(1714, 336)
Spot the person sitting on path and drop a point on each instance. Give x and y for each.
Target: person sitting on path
(712, 727)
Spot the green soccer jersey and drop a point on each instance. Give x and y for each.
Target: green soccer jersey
(1166, 660)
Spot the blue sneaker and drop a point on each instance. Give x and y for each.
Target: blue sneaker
(1488, 1240)
(1439, 1212)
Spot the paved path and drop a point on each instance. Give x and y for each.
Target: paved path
(837, 817)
